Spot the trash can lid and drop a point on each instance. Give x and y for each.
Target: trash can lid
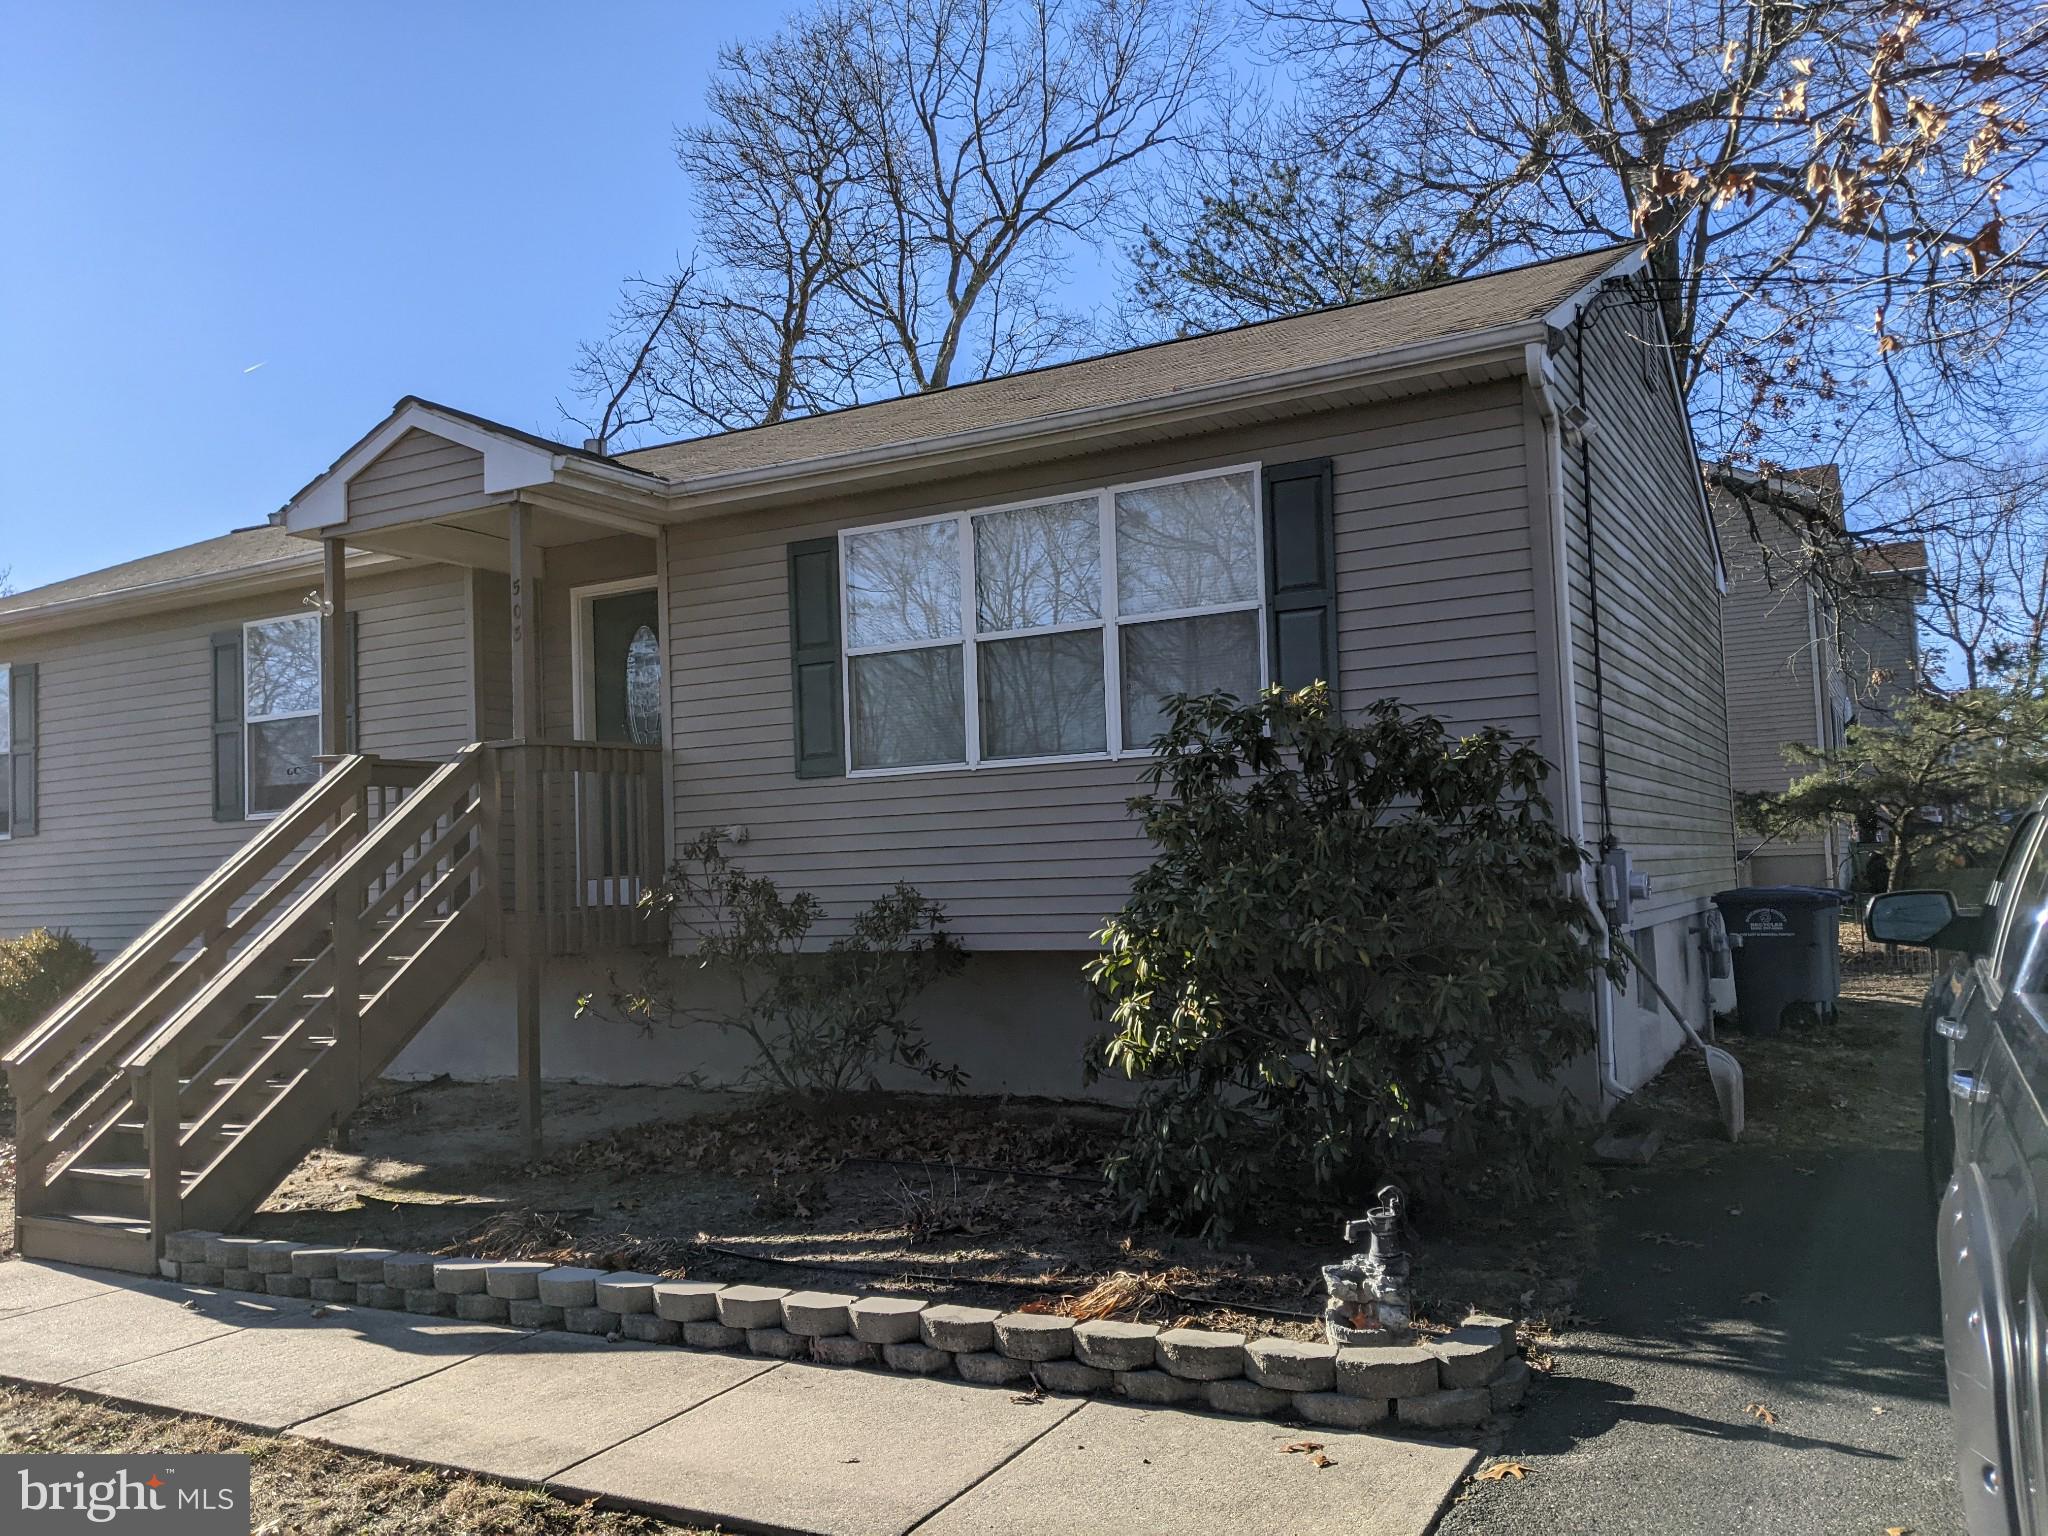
(1780, 896)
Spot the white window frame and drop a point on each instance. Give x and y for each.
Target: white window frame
(7, 723)
(1110, 621)
(320, 688)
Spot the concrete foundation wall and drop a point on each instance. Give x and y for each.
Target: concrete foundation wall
(1016, 1022)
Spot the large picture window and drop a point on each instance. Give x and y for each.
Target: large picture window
(1050, 629)
(280, 710)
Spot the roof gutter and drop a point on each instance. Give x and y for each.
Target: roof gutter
(703, 495)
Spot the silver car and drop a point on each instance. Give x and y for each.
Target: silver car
(1986, 1027)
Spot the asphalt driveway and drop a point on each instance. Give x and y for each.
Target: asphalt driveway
(1758, 1352)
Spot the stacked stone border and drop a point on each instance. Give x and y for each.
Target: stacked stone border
(1449, 1381)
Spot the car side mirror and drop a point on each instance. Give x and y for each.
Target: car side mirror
(1909, 917)
(1928, 919)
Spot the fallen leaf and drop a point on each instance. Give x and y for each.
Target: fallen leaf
(1898, 1530)
(1734, 1210)
(1878, 1409)
(1760, 1413)
(1035, 1396)
(1757, 1298)
(1502, 1470)
(1303, 1447)
(1320, 1460)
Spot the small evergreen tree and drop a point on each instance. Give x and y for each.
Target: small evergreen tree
(1937, 785)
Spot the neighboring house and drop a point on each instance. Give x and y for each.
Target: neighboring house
(920, 640)
(1781, 637)
(1881, 628)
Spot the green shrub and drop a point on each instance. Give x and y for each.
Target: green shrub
(1350, 937)
(821, 1021)
(37, 972)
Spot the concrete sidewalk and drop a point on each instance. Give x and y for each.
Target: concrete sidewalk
(703, 1438)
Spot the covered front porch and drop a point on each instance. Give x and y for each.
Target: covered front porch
(567, 661)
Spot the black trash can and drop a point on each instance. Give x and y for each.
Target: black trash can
(1788, 966)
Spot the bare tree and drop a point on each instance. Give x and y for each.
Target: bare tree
(1840, 199)
(887, 197)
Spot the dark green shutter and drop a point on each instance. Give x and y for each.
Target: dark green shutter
(1301, 573)
(814, 658)
(22, 727)
(351, 730)
(228, 802)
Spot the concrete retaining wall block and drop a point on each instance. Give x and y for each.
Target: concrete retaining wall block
(568, 1285)
(1194, 1354)
(229, 1252)
(167, 1268)
(1512, 1384)
(188, 1247)
(363, 1266)
(378, 1294)
(1071, 1376)
(1340, 1410)
(650, 1329)
(427, 1301)
(959, 1328)
(477, 1307)
(1468, 1360)
(1150, 1386)
(462, 1277)
(845, 1349)
(530, 1312)
(1289, 1365)
(985, 1367)
(686, 1301)
(713, 1335)
(1376, 1372)
(316, 1263)
(779, 1343)
(199, 1274)
(1034, 1336)
(410, 1271)
(589, 1320)
(627, 1291)
(327, 1288)
(1115, 1346)
(287, 1285)
(1246, 1397)
(816, 1314)
(240, 1280)
(919, 1359)
(1454, 1408)
(273, 1257)
(886, 1319)
(515, 1279)
(751, 1306)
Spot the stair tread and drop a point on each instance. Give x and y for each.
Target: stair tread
(94, 1219)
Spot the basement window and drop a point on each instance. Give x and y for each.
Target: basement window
(280, 710)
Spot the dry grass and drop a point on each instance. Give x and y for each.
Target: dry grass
(300, 1489)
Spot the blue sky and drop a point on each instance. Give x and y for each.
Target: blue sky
(365, 199)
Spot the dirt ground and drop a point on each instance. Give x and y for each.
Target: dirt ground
(297, 1488)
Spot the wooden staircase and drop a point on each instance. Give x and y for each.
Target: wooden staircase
(190, 1075)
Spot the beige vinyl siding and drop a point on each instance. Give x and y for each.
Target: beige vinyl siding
(1436, 605)
(124, 726)
(570, 566)
(418, 475)
(1881, 645)
(1665, 740)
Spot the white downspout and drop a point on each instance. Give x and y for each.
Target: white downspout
(1537, 362)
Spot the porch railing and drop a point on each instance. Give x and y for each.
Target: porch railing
(598, 813)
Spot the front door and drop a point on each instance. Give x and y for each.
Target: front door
(625, 668)
(624, 689)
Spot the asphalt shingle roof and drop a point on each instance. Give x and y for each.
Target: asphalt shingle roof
(1249, 352)
(222, 556)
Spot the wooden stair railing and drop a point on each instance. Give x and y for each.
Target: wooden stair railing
(229, 1035)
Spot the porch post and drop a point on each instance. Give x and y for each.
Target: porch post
(334, 669)
(526, 813)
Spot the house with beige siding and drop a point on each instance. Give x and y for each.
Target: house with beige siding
(377, 786)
